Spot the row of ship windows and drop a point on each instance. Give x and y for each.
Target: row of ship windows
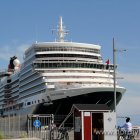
(63, 55)
(34, 102)
(26, 104)
(78, 49)
(72, 65)
(67, 55)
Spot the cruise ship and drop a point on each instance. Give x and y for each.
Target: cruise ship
(55, 75)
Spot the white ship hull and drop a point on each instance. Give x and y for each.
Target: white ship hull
(64, 99)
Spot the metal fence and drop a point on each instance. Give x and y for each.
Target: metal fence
(12, 126)
(40, 126)
(33, 126)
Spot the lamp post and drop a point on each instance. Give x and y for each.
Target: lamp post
(114, 74)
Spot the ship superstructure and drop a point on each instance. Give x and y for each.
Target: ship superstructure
(55, 75)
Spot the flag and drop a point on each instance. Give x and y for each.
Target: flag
(107, 62)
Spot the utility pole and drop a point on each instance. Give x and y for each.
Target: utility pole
(114, 64)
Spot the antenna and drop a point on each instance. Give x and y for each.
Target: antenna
(60, 31)
(36, 33)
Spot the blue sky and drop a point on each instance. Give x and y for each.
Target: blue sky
(89, 21)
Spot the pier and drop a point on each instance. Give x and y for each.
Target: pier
(89, 121)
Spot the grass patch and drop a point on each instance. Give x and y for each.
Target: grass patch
(1, 135)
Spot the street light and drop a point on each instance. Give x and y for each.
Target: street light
(114, 63)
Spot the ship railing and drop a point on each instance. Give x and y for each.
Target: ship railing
(68, 64)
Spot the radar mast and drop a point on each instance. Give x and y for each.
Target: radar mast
(61, 31)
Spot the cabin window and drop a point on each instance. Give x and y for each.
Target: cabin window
(28, 103)
(9, 80)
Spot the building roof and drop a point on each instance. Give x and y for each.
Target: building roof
(91, 107)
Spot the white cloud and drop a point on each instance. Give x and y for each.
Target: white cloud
(129, 105)
(9, 51)
(130, 102)
(133, 78)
